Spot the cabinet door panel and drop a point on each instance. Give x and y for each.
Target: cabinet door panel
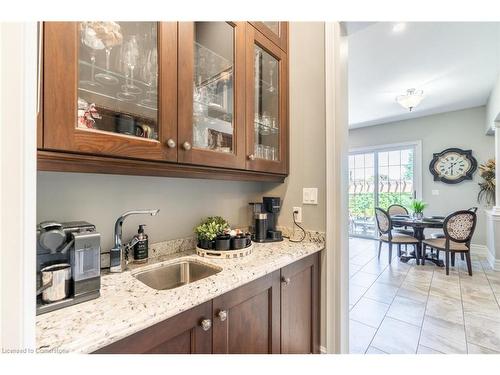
(267, 105)
(276, 31)
(299, 307)
(211, 93)
(109, 87)
(252, 323)
(181, 334)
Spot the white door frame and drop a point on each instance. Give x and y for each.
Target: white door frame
(18, 106)
(337, 257)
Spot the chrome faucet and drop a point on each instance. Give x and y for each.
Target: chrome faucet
(116, 254)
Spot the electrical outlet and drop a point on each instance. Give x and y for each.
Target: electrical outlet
(298, 215)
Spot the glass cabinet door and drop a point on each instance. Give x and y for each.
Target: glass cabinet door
(276, 31)
(211, 112)
(117, 75)
(266, 121)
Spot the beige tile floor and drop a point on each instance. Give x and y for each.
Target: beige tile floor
(404, 308)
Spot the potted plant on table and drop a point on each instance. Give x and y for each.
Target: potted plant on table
(418, 209)
(211, 233)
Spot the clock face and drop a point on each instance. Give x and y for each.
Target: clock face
(453, 166)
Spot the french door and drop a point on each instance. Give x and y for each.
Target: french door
(379, 177)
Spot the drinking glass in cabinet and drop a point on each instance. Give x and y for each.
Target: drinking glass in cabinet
(213, 77)
(266, 105)
(118, 78)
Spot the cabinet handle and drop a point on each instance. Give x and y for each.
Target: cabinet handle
(285, 280)
(222, 315)
(206, 324)
(186, 146)
(251, 157)
(170, 143)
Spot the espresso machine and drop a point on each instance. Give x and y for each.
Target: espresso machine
(68, 264)
(264, 217)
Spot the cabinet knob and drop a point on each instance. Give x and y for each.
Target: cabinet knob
(206, 324)
(170, 143)
(186, 146)
(251, 157)
(285, 280)
(222, 315)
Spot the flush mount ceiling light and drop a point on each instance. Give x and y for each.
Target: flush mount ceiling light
(398, 27)
(411, 99)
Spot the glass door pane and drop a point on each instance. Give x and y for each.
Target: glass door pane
(213, 94)
(362, 194)
(118, 78)
(395, 177)
(266, 106)
(274, 26)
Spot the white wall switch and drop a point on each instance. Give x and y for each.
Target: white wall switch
(298, 215)
(310, 195)
(435, 192)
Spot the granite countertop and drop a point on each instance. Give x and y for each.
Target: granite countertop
(127, 306)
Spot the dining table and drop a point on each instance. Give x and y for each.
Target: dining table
(419, 225)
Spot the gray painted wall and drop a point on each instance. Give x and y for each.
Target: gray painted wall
(463, 129)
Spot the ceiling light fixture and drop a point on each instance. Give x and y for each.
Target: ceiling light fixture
(398, 27)
(411, 99)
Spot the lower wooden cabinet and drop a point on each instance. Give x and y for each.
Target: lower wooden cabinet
(278, 313)
(247, 319)
(187, 333)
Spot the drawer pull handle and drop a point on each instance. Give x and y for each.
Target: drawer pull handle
(251, 157)
(285, 280)
(206, 324)
(222, 315)
(186, 146)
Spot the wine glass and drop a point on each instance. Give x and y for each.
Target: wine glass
(272, 66)
(131, 51)
(92, 43)
(150, 75)
(106, 78)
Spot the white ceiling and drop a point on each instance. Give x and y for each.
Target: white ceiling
(455, 63)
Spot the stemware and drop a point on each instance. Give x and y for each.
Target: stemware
(105, 77)
(131, 52)
(272, 66)
(92, 43)
(150, 75)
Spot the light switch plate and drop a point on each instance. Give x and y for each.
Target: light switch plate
(310, 196)
(435, 192)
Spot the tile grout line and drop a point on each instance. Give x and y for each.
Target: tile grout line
(425, 310)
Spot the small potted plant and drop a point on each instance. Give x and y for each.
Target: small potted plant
(211, 233)
(418, 209)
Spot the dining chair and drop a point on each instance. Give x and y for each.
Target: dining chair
(397, 209)
(458, 230)
(386, 234)
(441, 235)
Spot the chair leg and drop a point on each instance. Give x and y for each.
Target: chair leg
(422, 255)
(390, 252)
(417, 258)
(406, 249)
(469, 263)
(452, 258)
(462, 256)
(447, 261)
(437, 254)
(379, 248)
(399, 250)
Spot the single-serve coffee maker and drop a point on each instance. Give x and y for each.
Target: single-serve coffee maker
(68, 264)
(264, 217)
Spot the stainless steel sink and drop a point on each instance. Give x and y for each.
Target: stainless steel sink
(173, 275)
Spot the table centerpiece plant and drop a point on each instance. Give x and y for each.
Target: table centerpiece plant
(418, 209)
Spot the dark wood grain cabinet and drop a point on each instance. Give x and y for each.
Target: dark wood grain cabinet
(277, 313)
(187, 333)
(187, 99)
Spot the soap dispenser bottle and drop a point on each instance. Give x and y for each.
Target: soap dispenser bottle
(141, 247)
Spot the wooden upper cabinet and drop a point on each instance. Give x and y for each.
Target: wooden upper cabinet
(111, 89)
(276, 31)
(212, 93)
(267, 105)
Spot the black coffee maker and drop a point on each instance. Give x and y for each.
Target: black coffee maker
(264, 217)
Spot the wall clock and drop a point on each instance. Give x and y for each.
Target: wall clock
(453, 165)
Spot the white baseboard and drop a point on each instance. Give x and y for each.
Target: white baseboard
(479, 250)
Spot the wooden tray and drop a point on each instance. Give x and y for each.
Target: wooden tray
(224, 254)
